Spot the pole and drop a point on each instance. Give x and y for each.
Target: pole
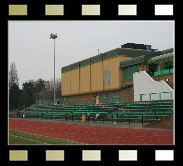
(36, 99)
(54, 70)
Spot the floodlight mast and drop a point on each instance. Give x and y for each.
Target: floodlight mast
(54, 36)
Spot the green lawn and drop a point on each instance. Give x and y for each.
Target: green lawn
(22, 138)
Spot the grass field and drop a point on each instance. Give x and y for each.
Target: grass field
(22, 138)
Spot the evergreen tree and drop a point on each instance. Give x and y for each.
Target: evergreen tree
(14, 91)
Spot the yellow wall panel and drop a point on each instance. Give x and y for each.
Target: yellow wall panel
(141, 67)
(66, 84)
(96, 77)
(113, 65)
(85, 79)
(90, 79)
(75, 81)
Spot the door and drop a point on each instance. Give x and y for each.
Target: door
(97, 99)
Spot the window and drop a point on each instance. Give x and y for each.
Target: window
(153, 68)
(130, 86)
(107, 77)
(168, 65)
(128, 72)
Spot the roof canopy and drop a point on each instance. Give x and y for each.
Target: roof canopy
(148, 58)
(107, 55)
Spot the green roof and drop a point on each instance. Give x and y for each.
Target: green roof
(163, 56)
(146, 58)
(133, 61)
(106, 55)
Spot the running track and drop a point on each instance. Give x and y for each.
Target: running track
(93, 134)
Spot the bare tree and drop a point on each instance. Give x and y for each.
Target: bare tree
(48, 92)
(13, 75)
(57, 83)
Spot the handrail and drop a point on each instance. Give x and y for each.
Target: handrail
(110, 99)
(160, 96)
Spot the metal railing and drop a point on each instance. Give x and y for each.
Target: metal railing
(157, 96)
(112, 99)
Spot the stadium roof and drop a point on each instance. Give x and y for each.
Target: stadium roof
(148, 58)
(129, 52)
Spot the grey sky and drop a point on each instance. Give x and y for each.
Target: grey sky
(32, 50)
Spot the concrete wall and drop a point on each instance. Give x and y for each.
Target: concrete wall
(144, 84)
(164, 77)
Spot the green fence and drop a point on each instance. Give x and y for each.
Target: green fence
(137, 112)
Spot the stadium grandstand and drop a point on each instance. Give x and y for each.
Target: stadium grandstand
(133, 83)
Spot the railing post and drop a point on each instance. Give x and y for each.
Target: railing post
(161, 66)
(129, 119)
(106, 100)
(150, 96)
(123, 97)
(51, 116)
(171, 94)
(160, 95)
(140, 97)
(142, 120)
(117, 118)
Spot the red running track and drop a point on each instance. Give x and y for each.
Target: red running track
(93, 134)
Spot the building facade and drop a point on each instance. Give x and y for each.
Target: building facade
(108, 77)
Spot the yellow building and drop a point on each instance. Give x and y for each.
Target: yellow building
(106, 74)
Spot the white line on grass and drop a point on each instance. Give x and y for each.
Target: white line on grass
(50, 137)
(27, 139)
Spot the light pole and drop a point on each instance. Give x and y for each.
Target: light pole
(54, 36)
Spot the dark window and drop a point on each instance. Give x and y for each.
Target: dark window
(128, 72)
(168, 65)
(152, 68)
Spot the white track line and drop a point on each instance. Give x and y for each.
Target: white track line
(28, 139)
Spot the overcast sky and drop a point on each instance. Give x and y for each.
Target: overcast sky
(32, 50)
